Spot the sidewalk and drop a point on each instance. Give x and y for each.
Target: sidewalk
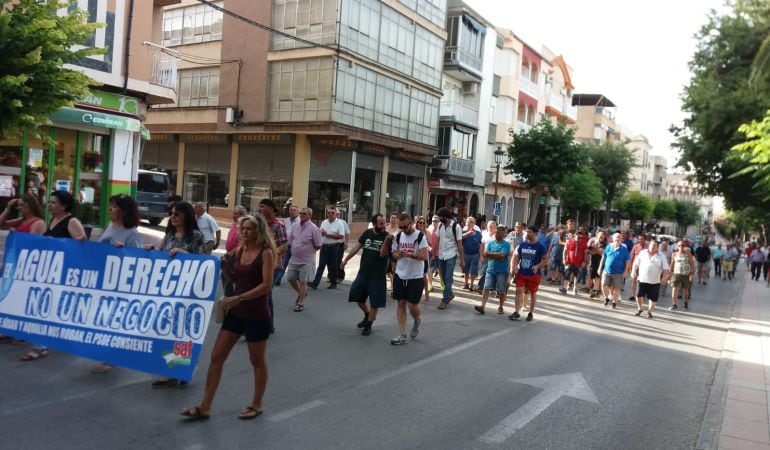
(738, 413)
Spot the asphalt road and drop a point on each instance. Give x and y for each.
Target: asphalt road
(468, 381)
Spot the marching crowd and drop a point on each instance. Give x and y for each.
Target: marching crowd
(400, 257)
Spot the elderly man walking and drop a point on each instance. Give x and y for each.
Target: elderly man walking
(208, 226)
(650, 269)
(305, 240)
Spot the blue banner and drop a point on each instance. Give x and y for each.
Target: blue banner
(124, 306)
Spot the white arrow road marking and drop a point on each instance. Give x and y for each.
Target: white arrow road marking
(554, 386)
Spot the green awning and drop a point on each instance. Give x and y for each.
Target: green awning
(96, 119)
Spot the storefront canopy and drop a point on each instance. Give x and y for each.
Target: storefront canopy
(96, 119)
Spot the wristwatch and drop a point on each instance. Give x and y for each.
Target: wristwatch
(240, 298)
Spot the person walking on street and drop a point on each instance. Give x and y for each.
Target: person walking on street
(575, 256)
(615, 265)
(370, 280)
(729, 260)
(641, 245)
(596, 246)
(422, 227)
(288, 223)
(246, 314)
(450, 236)
(231, 241)
(409, 250)
(305, 240)
(391, 228)
(528, 259)
(651, 270)
(757, 258)
(703, 257)
(333, 234)
(487, 236)
(208, 226)
(717, 254)
(341, 247)
(497, 254)
(683, 271)
(471, 252)
(268, 208)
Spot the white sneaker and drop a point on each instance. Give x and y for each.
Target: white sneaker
(400, 340)
(574, 291)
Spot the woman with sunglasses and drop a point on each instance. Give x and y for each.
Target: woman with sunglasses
(30, 221)
(121, 232)
(246, 314)
(422, 226)
(182, 236)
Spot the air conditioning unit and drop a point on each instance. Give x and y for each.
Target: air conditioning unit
(441, 163)
(470, 87)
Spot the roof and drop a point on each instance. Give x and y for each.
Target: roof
(591, 100)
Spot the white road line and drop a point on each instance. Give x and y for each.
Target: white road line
(289, 413)
(436, 357)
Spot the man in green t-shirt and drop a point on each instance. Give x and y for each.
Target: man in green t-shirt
(370, 281)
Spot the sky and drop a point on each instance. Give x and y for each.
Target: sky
(633, 52)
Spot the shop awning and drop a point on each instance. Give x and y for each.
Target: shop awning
(96, 119)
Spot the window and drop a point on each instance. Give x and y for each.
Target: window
(301, 90)
(192, 25)
(198, 87)
(314, 20)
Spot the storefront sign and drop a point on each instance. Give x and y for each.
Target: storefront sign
(123, 306)
(434, 182)
(335, 143)
(266, 139)
(95, 119)
(204, 138)
(62, 185)
(35, 157)
(113, 102)
(375, 148)
(162, 137)
(414, 156)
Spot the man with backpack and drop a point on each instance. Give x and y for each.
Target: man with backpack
(450, 235)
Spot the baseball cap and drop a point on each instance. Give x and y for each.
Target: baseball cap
(268, 202)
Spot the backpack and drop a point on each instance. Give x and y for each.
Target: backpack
(416, 243)
(454, 230)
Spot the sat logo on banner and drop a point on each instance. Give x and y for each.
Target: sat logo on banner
(124, 306)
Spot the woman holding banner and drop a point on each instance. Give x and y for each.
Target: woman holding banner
(246, 313)
(63, 225)
(121, 232)
(31, 221)
(182, 236)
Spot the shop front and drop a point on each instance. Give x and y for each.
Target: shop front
(265, 170)
(462, 199)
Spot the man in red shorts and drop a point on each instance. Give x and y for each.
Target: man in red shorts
(529, 258)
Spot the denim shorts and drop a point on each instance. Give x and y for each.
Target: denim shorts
(471, 263)
(496, 281)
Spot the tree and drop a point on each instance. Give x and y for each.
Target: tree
(719, 98)
(581, 192)
(542, 157)
(664, 209)
(755, 153)
(35, 43)
(635, 206)
(612, 162)
(686, 214)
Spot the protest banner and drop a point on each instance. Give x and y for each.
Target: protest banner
(124, 306)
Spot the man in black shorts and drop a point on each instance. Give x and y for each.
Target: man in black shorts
(651, 270)
(370, 281)
(410, 249)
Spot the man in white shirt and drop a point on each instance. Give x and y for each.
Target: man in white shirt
(332, 234)
(450, 237)
(409, 251)
(208, 226)
(342, 246)
(289, 222)
(650, 269)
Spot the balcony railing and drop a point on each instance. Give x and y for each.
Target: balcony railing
(570, 111)
(556, 102)
(457, 167)
(529, 87)
(460, 113)
(162, 69)
(522, 127)
(457, 55)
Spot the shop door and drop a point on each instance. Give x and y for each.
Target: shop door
(195, 187)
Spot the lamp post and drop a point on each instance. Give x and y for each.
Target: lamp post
(499, 153)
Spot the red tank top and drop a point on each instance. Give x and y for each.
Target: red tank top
(26, 227)
(246, 278)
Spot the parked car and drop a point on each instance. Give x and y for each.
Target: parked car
(152, 190)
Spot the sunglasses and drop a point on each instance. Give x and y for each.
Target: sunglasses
(421, 223)
(404, 227)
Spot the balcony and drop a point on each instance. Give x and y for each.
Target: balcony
(571, 113)
(458, 112)
(503, 132)
(509, 86)
(529, 87)
(455, 167)
(522, 127)
(162, 69)
(556, 102)
(462, 64)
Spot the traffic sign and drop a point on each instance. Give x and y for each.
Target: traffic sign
(497, 208)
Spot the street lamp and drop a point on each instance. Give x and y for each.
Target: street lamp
(499, 153)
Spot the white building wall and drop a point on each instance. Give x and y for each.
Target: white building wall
(486, 112)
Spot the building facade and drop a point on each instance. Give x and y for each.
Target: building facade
(339, 109)
(96, 143)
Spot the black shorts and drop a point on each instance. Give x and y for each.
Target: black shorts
(569, 270)
(409, 290)
(372, 287)
(649, 291)
(255, 330)
(595, 272)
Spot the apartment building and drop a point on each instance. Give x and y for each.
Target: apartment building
(658, 176)
(97, 142)
(339, 107)
(595, 119)
(641, 176)
(458, 177)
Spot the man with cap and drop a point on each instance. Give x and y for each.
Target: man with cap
(267, 209)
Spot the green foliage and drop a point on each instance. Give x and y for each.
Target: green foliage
(581, 191)
(686, 214)
(748, 220)
(664, 209)
(719, 98)
(635, 206)
(755, 153)
(35, 44)
(612, 162)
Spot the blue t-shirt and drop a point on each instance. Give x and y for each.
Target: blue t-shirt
(530, 255)
(498, 265)
(629, 244)
(544, 239)
(615, 259)
(471, 244)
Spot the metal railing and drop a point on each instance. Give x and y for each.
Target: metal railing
(462, 56)
(556, 102)
(457, 166)
(460, 112)
(163, 69)
(529, 87)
